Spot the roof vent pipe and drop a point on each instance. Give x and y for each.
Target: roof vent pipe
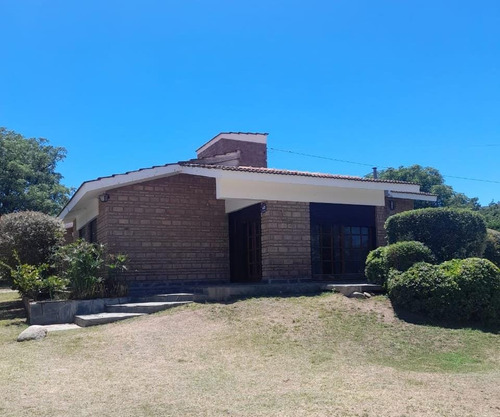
(375, 173)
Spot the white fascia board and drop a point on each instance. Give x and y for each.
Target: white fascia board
(262, 191)
(243, 137)
(299, 179)
(92, 189)
(411, 196)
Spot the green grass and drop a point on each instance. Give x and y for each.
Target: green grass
(316, 356)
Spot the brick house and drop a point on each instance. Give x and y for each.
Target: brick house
(225, 217)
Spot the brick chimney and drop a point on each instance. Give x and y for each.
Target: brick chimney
(235, 149)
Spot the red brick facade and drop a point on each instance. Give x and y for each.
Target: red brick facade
(171, 229)
(382, 213)
(286, 240)
(174, 230)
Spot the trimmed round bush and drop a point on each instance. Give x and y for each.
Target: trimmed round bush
(377, 269)
(448, 233)
(31, 235)
(403, 255)
(492, 249)
(460, 290)
(399, 256)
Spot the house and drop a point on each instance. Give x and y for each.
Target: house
(226, 217)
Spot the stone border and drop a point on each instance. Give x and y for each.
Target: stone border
(64, 311)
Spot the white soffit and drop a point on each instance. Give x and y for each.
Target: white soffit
(260, 191)
(238, 204)
(411, 196)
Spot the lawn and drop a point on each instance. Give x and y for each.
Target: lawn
(301, 356)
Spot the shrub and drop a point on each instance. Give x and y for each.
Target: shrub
(89, 271)
(32, 235)
(377, 269)
(35, 282)
(399, 256)
(492, 249)
(448, 233)
(460, 290)
(403, 255)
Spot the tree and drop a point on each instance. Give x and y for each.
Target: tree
(491, 214)
(28, 180)
(431, 181)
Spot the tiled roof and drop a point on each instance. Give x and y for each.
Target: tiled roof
(275, 171)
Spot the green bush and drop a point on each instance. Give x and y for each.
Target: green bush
(492, 249)
(399, 256)
(448, 233)
(459, 290)
(32, 235)
(35, 282)
(403, 255)
(376, 267)
(89, 271)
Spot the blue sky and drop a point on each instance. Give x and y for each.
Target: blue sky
(130, 84)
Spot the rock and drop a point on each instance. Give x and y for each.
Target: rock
(367, 295)
(356, 294)
(32, 333)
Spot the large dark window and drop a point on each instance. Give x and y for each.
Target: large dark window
(341, 237)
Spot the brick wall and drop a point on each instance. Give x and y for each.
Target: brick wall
(286, 240)
(252, 154)
(171, 228)
(382, 213)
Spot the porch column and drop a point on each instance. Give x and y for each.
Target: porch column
(398, 205)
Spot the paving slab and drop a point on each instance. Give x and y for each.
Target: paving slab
(61, 327)
(146, 308)
(103, 318)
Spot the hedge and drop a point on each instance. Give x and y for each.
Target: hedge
(448, 233)
(399, 256)
(460, 290)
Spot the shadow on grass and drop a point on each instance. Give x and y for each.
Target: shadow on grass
(419, 319)
(12, 310)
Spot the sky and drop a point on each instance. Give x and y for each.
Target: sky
(129, 84)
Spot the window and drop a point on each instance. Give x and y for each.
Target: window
(89, 232)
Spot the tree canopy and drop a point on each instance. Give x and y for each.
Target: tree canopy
(491, 214)
(431, 181)
(28, 180)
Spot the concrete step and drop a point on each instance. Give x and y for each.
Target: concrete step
(348, 289)
(144, 308)
(180, 296)
(103, 318)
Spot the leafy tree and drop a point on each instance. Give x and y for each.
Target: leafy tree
(431, 181)
(28, 180)
(491, 214)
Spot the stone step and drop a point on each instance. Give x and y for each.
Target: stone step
(144, 308)
(181, 296)
(103, 318)
(348, 289)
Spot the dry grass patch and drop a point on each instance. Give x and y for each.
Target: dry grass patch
(314, 356)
